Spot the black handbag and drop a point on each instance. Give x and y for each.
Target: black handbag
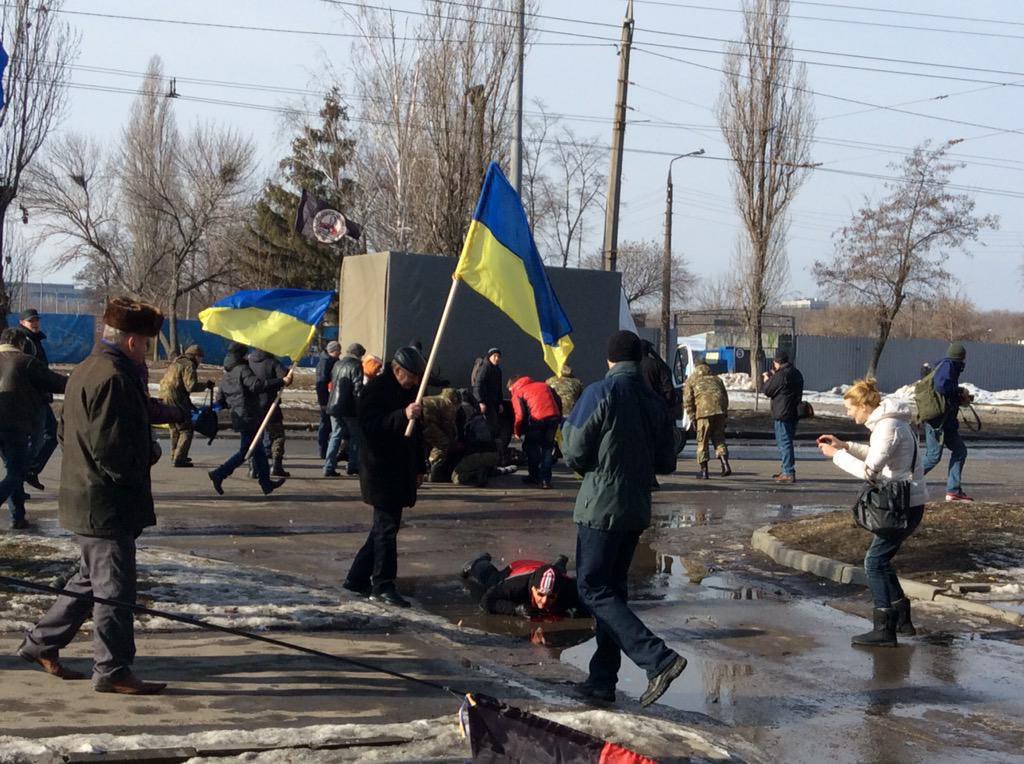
(885, 507)
(204, 420)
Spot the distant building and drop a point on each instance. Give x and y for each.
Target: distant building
(804, 303)
(52, 298)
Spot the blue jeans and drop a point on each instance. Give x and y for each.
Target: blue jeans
(784, 432)
(16, 454)
(882, 579)
(602, 565)
(236, 460)
(947, 435)
(342, 428)
(323, 433)
(44, 439)
(539, 445)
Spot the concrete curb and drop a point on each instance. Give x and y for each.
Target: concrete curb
(845, 573)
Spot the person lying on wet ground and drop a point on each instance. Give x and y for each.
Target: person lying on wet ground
(525, 588)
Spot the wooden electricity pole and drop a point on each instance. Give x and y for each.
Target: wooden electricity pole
(517, 140)
(610, 251)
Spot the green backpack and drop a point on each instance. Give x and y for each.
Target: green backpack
(930, 405)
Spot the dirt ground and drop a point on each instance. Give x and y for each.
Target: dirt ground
(954, 541)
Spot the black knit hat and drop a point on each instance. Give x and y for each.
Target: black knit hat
(409, 358)
(781, 356)
(356, 349)
(545, 580)
(624, 346)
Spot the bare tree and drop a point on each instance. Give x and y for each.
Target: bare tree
(41, 48)
(17, 264)
(896, 249)
(640, 265)
(766, 116)
(577, 183)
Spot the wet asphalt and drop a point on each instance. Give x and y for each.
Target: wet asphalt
(768, 648)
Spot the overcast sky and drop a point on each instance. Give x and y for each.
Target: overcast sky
(574, 74)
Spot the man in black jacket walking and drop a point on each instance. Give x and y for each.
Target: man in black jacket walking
(346, 387)
(391, 468)
(324, 367)
(268, 368)
(784, 385)
(240, 391)
(44, 431)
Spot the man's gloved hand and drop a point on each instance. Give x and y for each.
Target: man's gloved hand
(210, 384)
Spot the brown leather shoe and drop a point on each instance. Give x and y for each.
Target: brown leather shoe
(128, 684)
(785, 479)
(53, 667)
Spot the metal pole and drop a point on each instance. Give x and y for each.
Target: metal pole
(666, 270)
(610, 250)
(517, 141)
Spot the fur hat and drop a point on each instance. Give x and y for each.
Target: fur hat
(133, 317)
(624, 346)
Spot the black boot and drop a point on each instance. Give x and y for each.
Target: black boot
(884, 633)
(903, 624)
(726, 469)
(278, 469)
(703, 474)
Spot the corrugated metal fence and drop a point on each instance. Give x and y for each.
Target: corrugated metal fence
(829, 361)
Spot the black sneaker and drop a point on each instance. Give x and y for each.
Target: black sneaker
(657, 686)
(20, 525)
(332, 473)
(591, 692)
(390, 597)
(218, 484)
(271, 486)
(359, 591)
(33, 480)
(468, 567)
(182, 465)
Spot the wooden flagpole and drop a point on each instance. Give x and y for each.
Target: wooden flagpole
(433, 350)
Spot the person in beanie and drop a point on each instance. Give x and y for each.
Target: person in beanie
(240, 391)
(391, 468)
(324, 367)
(944, 431)
(346, 387)
(179, 382)
(267, 368)
(25, 384)
(526, 588)
(105, 498)
(43, 440)
(784, 385)
(618, 437)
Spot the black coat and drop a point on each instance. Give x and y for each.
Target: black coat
(25, 386)
(267, 368)
(33, 344)
(786, 389)
(486, 383)
(324, 366)
(241, 390)
(502, 598)
(389, 462)
(346, 386)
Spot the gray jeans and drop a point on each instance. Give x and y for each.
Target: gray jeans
(106, 569)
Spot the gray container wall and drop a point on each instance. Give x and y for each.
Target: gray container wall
(830, 361)
(419, 284)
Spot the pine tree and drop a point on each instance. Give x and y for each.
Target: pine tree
(320, 162)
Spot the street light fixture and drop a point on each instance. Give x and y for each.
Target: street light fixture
(666, 260)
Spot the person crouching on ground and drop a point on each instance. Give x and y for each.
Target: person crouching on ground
(525, 588)
(240, 391)
(106, 498)
(538, 412)
(391, 468)
(891, 454)
(619, 435)
(707, 404)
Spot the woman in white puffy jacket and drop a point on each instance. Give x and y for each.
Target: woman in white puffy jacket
(891, 454)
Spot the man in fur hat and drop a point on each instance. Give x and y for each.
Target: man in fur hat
(105, 498)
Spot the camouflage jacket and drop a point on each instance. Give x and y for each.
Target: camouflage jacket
(439, 421)
(179, 381)
(704, 394)
(569, 390)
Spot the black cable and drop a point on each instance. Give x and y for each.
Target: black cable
(18, 583)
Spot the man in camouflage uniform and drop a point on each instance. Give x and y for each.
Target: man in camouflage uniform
(440, 433)
(568, 388)
(178, 383)
(707, 404)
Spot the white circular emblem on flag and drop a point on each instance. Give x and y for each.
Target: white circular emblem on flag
(329, 226)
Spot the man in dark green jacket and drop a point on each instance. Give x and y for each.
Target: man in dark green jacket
(105, 498)
(618, 437)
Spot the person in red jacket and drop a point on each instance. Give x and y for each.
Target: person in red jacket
(526, 588)
(538, 413)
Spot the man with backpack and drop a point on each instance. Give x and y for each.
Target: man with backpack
(939, 396)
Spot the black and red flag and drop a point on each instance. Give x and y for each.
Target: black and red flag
(319, 221)
(501, 733)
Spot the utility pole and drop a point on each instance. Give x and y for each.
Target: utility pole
(610, 251)
(517, 139)
(666, 261)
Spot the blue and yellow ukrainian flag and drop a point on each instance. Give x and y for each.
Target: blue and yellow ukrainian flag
(500, 261)
(280, 321)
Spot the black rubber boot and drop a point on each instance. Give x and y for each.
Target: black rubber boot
(884, 633)
(903, 625)
(726, 469)
(278, 469)
(703, 474)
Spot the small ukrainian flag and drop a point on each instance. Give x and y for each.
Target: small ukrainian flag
(280, 321)
(500, 261)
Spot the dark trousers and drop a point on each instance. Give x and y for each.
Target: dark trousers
(784, 433)
(882, 578)
(16, 451)
(323, 433)
(486, 575)
(376, 564)
(539, 445)
(106, 569)
(602, 565)
(236, 460)
(44, 439)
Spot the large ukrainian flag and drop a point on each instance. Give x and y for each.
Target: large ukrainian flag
(500, 261)
(280, 321)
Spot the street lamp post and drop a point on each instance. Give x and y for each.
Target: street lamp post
(666, 260)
